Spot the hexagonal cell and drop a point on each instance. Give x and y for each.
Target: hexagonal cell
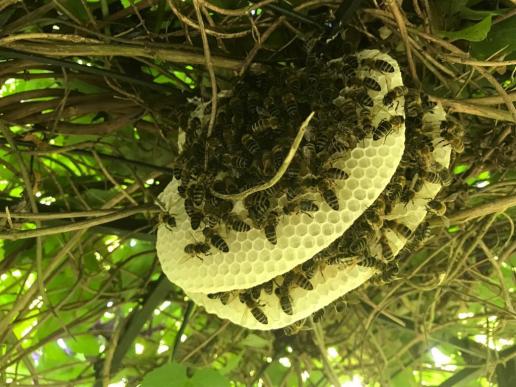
(295, 241)
(314, 229)
(301, 230)
(358, 173)
(351, 164)
(360, 194)
(383, 152)
(364, 163)
(308, 243)
(334, 217)
(258, 244)
(320, 217)
(366, 184)
(258, 268)
(370, 152)
(224, 269)
(357, 153)
(352, 185)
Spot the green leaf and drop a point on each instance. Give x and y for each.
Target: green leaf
(255, 341)
(165, 375)
(405, 378)
(501, 36)
(474, 33)
(209, 377)
(85, 344)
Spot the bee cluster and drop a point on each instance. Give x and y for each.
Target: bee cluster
(353, 143)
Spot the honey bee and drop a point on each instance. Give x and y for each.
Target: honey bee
(364, 100)
(215, 239)
(436, 207)
(436, 177)
(318, 315)
(258, 205)
(335, 173)
(289, 100)
(352, 61)
(197, 248)
(387, 252)
(453, 135)
(378, 65)
(395, 188)
(308, 268)
(293, 83)
(373, 219)
(300, 206)
(264, 124)
(357, 246)
(168, 220)
(372, 84)
(278, 155)
(284, 299)
(195, 216)
(399, 228)
(236, 223)
(268, 286)
(250, 144)
(222, 296)
(196, 192)
(211, 220)
(298, 279)
(181, 190)
(328, 195)
(397, 92)
(389, 274)
(236, 160)
(270, 228)
(294, 329)
(247, 299)
(371, 261)
(177, 172)
(385, 127)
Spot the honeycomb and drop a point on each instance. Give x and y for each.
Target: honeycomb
(334, 281)
(251, 259)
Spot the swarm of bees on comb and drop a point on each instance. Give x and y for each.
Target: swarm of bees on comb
(362, 112)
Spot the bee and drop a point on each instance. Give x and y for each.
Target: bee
(352, 61)
(258, 205)
(168, 220)
(215, 239)
(436, 207)
(426, 103)
(247, 299)
(338, 259)
(177, 173)
(373, 219)
(308, 268)
(357, 246)
(264, 124)
(371, 261)
(378, 65)
(222, 296)
(395, 188)
(335, 173)
(433, 177)
(211, 220)
(397, 92)
(318, 315)
(399, 228)
(250, 144)
(195, 216)
(349, 72)
(197, 248)
(236, 160)
(278, 155)
(452, 134)
(328, 195)
(236, 223)
(364, 100)
(292, 278)
(270, 228)
(294, 329)
(301, 206)
(268, 286)
(284, 299)
(290, 103)
(372, 84)
(408, 195)
(385, 127)
(293, 83)
(387, 252)
(389, 274)
(196, 192)
(181, 190)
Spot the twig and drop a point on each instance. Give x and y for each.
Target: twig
(206, 342)
(279, 173)
(319, 341)
(110, 351)
(79, 225)
(400, 20)
(209, 66)
(476, 110)
(480, 63)
(236, 12)
(55, 215)
(494, 100)
(478, 211)
(186, 318)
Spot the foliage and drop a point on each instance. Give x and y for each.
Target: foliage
(92, 96)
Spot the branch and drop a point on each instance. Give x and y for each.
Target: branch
(279, 173)
(79, 225)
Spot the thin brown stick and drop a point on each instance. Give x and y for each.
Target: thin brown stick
(79, 225)
(319, 341)
(476, 110)
(55, 215)
(279, 173)
(206, 342)
(236, 12)
(50, 37)
(491, 207)
(209, 66)
(494, 100)
(480, 63)
(400, 20)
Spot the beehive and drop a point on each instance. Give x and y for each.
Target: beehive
(252, 260)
